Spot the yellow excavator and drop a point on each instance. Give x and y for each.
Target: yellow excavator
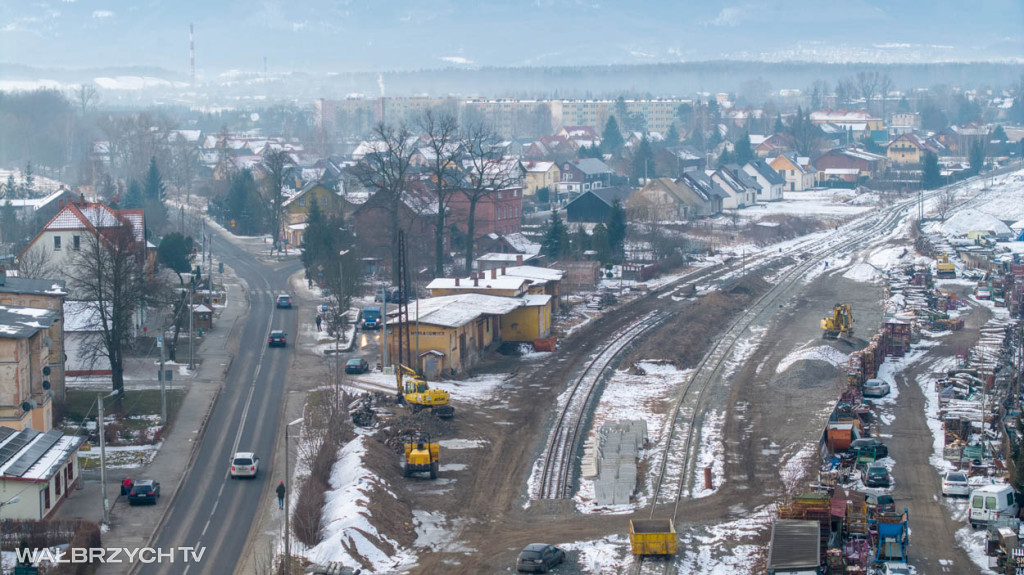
(945, 268)
(413, 389)
(421, 456)
(839, 323)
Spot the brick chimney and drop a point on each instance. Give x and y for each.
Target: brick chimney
(456, 282)
(519, 259)
(494, 273)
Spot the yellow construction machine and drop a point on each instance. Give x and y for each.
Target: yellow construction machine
(421, 456)
(945, 268)
(839, 323)
(413, 389)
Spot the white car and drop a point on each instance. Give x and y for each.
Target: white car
(955, 483)
(876, 388)
(894, 568)
(244, 464)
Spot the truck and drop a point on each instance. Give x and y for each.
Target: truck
(371, 317)
(652, 537)
(795, 547)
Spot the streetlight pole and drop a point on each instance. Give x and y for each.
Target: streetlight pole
(384, 321)
(287, 507)
(103, 457)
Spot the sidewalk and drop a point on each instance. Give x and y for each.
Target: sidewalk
(134, 527)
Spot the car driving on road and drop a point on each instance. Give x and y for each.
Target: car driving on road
(244, 464)
(539, 558)
(356, 365)
(284, 301)
(277, 338)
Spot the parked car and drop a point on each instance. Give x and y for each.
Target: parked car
(992, 502)
(876, 388)
(876, 476)
(867, 444)
(277, 338)
(244, 464)
(539, 558)
(144, 491)
(284, 301)
(955, 483)
(357, 365)
(879, 504)
(894, 568)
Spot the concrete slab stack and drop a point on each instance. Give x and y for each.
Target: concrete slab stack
(613, 453)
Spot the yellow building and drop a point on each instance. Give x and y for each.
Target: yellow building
(529, 322)
(907, 149)
(296, 209)
(540, 175)
(543, 281)
(25, 348)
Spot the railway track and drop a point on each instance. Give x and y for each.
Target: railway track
(558, 460)
(689, 408)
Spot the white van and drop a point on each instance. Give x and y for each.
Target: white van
(990, 503)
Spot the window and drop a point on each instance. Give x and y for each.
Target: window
(76, 242)
(990, 503)
(46, 497)
(56, 243)
(56, 484)
(302, 201)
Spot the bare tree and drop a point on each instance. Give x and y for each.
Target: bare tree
(386, 171)
(846, 90)
(442, 130)
(487, 173)
(87, 97)
(867, 82)
(36, 262)
(184, 166)
(133, 139)
(275, 164)
(108, 271)
(885, 84)
(945, 202)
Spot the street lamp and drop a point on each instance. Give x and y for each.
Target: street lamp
(103, 455)
(287, 507)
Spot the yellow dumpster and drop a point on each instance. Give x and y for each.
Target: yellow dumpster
(652, 537)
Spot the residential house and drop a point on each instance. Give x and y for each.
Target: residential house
(858, 122)
(60, 240)
(83, 333)
(416, 213)
(508, 244)
(909, 150)
(582, 176)
(41, 209)
(903, 122)
(688, 158)
(40, 468)
(740, 189)
(499, 212)
(296, 208)
(702, 196)
(838, 165)
(540, 175)
(660, 200)
(796, 170)
(26, 345)
(580, 136)
(41, 294)
(551, 148)
(774, 145)
(595, 205)
(769, 181)
(959, 139)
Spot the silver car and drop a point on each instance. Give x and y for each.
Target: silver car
(244, 464)
(876, 388)
(955, 483)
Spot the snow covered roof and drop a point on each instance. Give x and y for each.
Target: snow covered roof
(458, 310)
(538, 166)
(498, 257)
(535, 300)
(966, 221)
(522, 244)
(841, 116)
(593, 167)
(202, 308)
(41, 454)
(535, 273)
(21, 322)
(33, 286)
(497, 283)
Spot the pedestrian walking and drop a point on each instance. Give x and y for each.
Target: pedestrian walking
(280, 495)
(319, 320)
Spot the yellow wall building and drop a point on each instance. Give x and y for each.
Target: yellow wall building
(25, 348)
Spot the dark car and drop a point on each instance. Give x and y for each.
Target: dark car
(284, 300)
(357, 365)
(539, 558)
(144, 491)
(277, 338)
(879, 504)
(876, 476)
(869, 444)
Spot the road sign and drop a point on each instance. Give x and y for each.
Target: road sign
(159, 341)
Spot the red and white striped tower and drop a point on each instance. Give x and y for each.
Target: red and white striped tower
(191, 57)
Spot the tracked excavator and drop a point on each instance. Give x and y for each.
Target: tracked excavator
(839, 323)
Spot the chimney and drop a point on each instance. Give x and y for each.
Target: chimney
(519, 259)
(456, 282)
(476, 281)
(494, 273)
(502, 269)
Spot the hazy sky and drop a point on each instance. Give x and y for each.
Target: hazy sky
(352, 35)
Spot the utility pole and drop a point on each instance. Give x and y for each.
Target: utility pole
(287, 506)
(103, 458)
(384, 320)
(163, 387)
(191, 336)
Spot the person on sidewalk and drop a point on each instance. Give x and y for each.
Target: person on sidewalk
(126, 486)
(280, 495)
(319, 320)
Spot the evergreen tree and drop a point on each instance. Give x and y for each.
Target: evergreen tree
(133, 198)
(579, 241)
(672, 136)
(555, 238)
(175, 253)
(616, 226)
(779, 126)
(154, 188)
(744, 152)
(11, 189)
(153, 193)
(611, 137)
(903, 106)
(643, 163)
(976, 156)
(600, 244)
(28, 181)
(931, 178)
(726, 157)
(8, 223)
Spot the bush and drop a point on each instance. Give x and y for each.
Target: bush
(308, 514)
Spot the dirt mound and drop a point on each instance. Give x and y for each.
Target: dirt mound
(749, 285)
(392, 435)
(390, 514)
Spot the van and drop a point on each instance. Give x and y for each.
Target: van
(992, 502)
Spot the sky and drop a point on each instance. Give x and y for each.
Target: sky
(324, 36)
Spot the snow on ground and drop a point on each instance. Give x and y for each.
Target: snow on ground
(974, 541)
(841, 203)
(1005, 198)
(712, 454)
(122, 456)
(645, 397)
(347, 532)
(793, 471)
(863, 272)
(810, 352)
(482, 390)
(965, 221)
(744, 349)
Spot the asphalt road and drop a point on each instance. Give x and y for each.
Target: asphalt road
(212, 510)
